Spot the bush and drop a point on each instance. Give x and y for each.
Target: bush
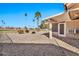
(27, 31)
(33, 32)
(20, 31)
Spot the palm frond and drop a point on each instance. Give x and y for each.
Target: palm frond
(25, 14)
(3, 21)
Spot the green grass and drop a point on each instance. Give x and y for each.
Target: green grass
(8, 31)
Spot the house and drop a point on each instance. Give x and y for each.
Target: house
(65, 24)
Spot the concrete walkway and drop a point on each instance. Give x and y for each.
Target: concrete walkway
(5, 38)
(38, 39)
(66, 45)
(30, 38)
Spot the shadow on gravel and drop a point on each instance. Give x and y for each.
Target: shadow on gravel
(20, 49)
(46, 34)
(71, 41)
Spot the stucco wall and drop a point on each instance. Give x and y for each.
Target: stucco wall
(72, 24)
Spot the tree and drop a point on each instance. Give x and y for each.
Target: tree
(25, 14)
(25, 27)
(3, 22)
(37, 18)
(43, 25)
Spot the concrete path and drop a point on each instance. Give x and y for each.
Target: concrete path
(66, 45)
(31, 38)
(4, 38)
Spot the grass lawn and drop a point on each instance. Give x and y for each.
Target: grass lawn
(8, 31)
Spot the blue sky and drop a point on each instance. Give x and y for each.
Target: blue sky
(13, 13)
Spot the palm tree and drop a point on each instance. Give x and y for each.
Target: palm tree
(37, 18)
(3, 23)
(25, 28)
(43, 25)
(25, 14)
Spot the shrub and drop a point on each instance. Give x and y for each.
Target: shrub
(27, 31)
(33, 32)
(20, 31)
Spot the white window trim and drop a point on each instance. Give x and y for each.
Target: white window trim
(74, 31)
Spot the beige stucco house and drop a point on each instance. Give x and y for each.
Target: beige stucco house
(65, 24)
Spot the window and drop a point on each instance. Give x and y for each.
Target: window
(77, 31)
(71, 31)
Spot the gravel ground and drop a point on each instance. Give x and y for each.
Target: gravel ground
(8, 48)
(33, 50)
(72, 41)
